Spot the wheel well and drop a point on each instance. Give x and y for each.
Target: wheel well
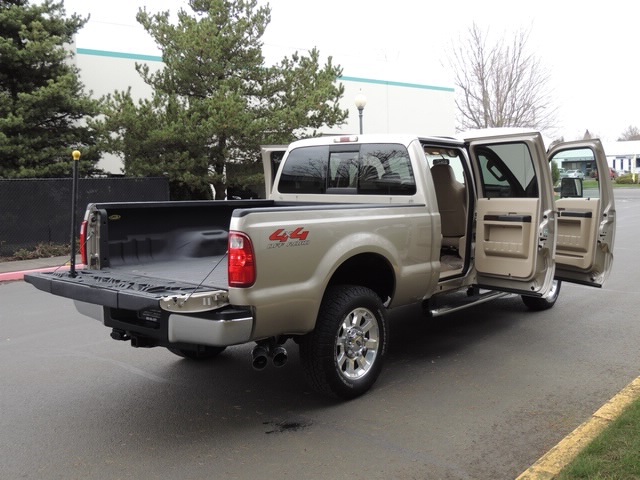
(368, 270)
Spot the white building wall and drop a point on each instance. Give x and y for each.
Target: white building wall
(104, 72)
(392, 107)
(623, 156)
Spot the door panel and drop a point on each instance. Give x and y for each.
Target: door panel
(505, 237)
(577, 230)
(586, 226)
(515, 225)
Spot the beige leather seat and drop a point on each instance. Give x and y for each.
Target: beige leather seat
(452, 204)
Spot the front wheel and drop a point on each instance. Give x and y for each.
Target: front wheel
(343, 355)
(543, 303)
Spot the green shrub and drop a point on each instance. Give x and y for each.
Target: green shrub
(626, 179)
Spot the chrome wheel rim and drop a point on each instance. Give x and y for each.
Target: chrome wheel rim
(357, 343)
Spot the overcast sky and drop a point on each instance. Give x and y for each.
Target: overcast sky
(590, 48)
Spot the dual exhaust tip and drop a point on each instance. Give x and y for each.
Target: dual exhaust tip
(261, 354)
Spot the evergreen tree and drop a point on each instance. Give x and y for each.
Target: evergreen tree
(215, 101)
(42, 103)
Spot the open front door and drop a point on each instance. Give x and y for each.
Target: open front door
(271, 157)
(586, 216)
(515, 224)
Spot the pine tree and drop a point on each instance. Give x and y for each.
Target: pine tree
(42, 102)
(215, 101)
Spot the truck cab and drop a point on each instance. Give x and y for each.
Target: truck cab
(503, 226)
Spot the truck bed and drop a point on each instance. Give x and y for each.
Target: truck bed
(178, 249)
(151, 250)
(209, 272)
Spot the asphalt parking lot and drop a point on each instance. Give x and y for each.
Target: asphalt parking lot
(480, 394)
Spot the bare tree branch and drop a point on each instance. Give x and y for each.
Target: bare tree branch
(500, 84)
(630, 133)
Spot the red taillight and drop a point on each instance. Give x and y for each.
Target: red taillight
(83, 242)
(242, 267)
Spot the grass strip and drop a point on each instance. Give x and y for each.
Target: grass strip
(614, 454)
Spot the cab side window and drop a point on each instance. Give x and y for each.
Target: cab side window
(575, 161)
(507, 170)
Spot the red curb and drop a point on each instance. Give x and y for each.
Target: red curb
(16, 276)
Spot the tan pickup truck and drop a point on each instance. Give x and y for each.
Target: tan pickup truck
(353, 226)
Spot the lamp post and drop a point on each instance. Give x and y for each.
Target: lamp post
(74, 200)
(361, 101)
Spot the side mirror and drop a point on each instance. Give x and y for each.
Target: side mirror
(571, 188)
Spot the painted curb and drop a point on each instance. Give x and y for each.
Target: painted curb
(19, 275)
(556, 459)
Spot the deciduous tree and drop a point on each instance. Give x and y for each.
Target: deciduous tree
(630, 133)
(500, 83)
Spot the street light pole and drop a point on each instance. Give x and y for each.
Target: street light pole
(74, 200)
(361, 101)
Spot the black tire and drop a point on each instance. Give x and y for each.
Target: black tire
(202, 352)
(537, 303)
(343, 356)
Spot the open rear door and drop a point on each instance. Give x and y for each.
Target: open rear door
(271, 157)
(586, 216)
(515, 224)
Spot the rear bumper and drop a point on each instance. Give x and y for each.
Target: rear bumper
(134, 312)
(226, 327)
(204, 331)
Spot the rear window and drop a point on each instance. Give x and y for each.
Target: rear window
(305, 171)
(370, 169)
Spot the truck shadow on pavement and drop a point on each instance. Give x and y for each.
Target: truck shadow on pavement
(416, 336)
(204, 398)
(160, 396)
(149, 407)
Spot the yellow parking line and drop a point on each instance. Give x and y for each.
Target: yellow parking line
(556, 459)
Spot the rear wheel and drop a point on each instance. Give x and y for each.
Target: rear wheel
(543, 303)
(200, 352)
(343, 355)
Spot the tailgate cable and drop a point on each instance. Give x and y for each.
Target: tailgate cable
(206, 276)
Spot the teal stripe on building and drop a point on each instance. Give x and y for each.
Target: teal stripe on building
(395, 84)
(369, 81)
(128, 56)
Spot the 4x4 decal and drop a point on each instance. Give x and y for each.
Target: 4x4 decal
(293, 238)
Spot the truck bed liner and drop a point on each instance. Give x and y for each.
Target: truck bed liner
(211, 271)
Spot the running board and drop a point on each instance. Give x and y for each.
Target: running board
(466, 302)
